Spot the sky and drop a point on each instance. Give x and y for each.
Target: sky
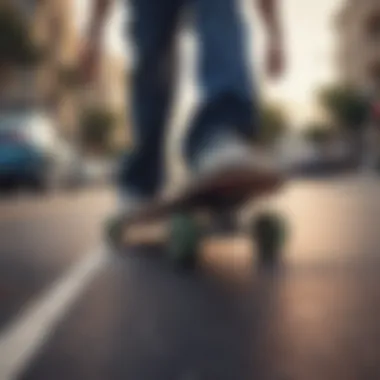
(310, 44)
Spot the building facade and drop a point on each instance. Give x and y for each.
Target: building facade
(358, 43)
(54, 29)
(358, 63)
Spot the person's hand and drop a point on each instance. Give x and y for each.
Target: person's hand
(275, 59)
(89, 61)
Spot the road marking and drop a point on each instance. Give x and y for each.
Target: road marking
(25, 336)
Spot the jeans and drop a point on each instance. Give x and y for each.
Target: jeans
(228, 98)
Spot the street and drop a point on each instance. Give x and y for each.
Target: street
(40, 238)
(71, 310)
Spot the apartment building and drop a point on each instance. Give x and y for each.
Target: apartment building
(51, 28)
(54, 28)
(358, 43)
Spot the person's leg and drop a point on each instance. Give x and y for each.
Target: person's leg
(229, 105)
(153, 33)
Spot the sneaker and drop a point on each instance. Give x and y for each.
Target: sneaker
(231, 152)
(229, 161)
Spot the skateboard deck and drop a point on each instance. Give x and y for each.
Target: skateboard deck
(227, 190)
(216, 196)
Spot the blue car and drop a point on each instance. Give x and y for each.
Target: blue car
(27, 149)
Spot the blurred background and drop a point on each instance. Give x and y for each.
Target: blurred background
(316, 317)
(56, 133)
(53, 131)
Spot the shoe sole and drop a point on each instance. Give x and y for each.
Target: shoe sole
(228, 188)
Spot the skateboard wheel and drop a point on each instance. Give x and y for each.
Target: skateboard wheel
(269, 233)
(114, 231)
(183, 240)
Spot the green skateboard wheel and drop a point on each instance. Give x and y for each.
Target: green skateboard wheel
(114, 232)
(269, 232)
(183, 240)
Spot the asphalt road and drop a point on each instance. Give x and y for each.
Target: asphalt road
(314, 316)
(40, 238)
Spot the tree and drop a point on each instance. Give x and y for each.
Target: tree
(274, 122)
(318, 134)
(346, 106)
(16, 46)
(96, 129)
(348, 110)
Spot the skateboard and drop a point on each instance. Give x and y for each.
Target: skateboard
(207, 207)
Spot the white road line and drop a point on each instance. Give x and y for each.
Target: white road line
(25, 336)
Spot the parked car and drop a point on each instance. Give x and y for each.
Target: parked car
(30, 149)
